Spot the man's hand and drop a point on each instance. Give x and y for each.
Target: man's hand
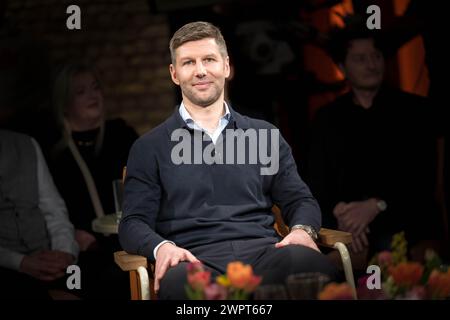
(46, 265)
(360, 242)
(298, 237)
(169, 255)
(340, 209)
(84, 239)
(356, 216)
(64, 259)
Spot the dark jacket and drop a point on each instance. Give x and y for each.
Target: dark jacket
(386, 151)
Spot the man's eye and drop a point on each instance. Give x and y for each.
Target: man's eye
(187, 63)
(209, 59)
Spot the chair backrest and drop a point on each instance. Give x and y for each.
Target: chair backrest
(279, 226)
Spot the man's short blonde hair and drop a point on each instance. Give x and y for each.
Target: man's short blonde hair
(197, 31)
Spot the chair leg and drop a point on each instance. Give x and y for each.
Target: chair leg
(347, 263)
(144, 283)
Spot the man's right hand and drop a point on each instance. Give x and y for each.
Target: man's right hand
(356, 215)
(360, 241)
(167, 256)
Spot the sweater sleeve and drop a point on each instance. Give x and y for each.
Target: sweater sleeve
(142, 194)
(60, 229)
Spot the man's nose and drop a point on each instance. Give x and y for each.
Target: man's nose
(200, 70)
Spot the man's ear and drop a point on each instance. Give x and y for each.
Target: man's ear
(227, 67)
(173, 74)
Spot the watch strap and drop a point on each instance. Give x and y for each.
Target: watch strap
(308, 229)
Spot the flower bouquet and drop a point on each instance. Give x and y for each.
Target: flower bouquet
(403, 279)
(400, 279)
(237, 284)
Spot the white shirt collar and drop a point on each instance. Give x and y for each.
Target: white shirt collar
(188, 119)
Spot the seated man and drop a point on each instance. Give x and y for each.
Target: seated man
(213, 203)
(372, 159)
(37, 241)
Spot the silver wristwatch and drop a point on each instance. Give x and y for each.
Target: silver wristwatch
(381, 205)
(308, 229)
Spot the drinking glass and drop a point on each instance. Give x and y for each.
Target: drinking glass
(118, 198)
(306, 286)
(271, 292)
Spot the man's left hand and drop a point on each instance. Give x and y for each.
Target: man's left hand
(298, 237)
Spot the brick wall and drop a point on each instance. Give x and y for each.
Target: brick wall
(122, 38)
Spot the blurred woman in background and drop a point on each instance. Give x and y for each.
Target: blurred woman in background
(87, 159)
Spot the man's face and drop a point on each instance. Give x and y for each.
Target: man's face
(364, 65)
(200, 70)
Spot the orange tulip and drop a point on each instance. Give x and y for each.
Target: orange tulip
(406, 274)
(335, 291)
(439, 284)
(241, 276)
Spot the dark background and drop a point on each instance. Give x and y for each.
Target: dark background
(281, 72)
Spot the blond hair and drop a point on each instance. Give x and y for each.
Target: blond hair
(197, 31)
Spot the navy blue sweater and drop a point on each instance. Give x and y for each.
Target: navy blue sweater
(197, 204)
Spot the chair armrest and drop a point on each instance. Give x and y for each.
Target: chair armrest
(328, 237)
(129, 262)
